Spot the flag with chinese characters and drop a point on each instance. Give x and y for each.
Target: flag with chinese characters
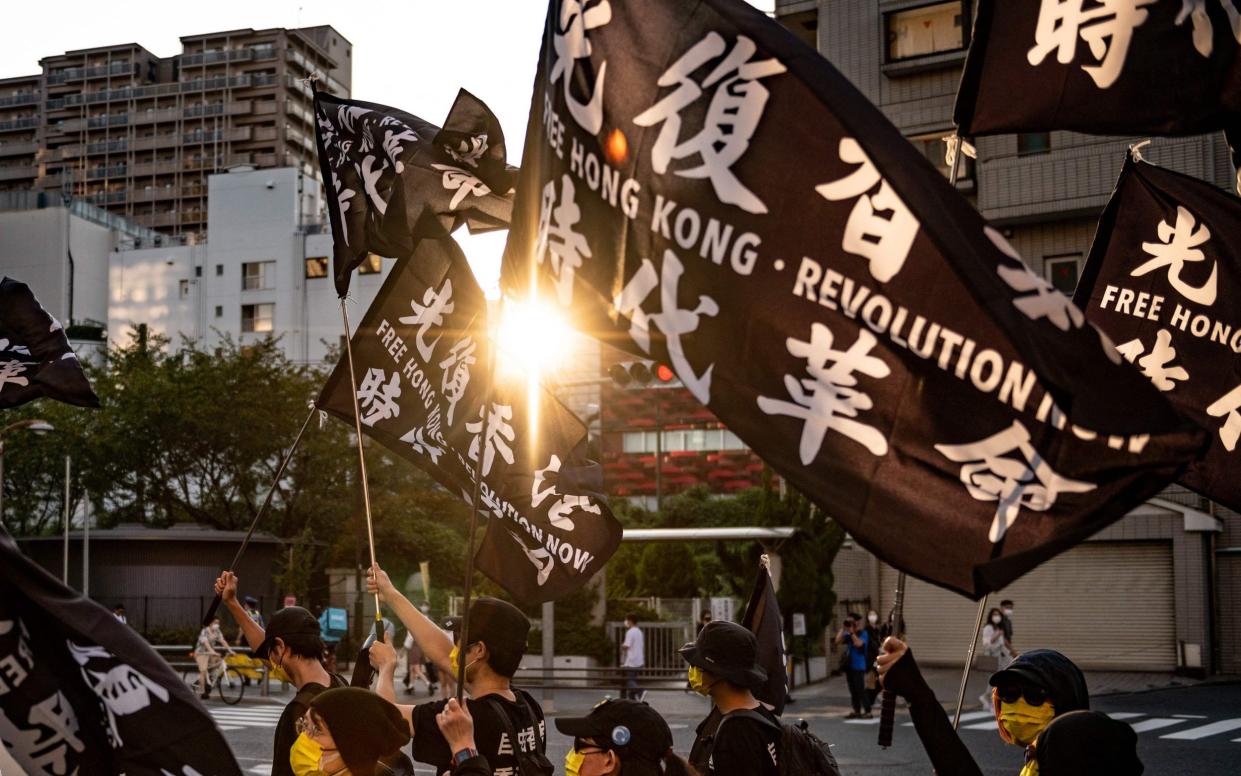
(421, 356)
(1160, 67)
(392, 178)
(1163, 282)
(35, 357)
(83, 693)
(728, 204)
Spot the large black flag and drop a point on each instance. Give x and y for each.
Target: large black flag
(35, 357)
(1164, 281)
(1162, 67)
(392, 178)
(421, 353)
(82, 693)
(762, 618)
(727, 203)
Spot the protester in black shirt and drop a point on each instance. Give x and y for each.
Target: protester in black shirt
(457, 726)
(291, 642)
(508, 723)
(358, 730)
(723, 665)
(620, 737)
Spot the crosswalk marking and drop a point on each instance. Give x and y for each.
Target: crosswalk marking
(246, 717)
(1125, 714)
(1155, 724)
(1193, 734)
(989, 724)
(874, 721)
(966, 717)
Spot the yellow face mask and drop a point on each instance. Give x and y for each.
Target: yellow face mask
(697, 682)
(573, 762)
(454, 661)
(1023, 721)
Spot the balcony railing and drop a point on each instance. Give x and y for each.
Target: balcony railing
(78, 73)
(17, 149)
(23, 98)
(24, 123)
(212, 57)
(18, 171)
(137, 92)
(108, 197)
(111, 171)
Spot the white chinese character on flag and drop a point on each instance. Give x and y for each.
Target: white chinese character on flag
(10, 372)
(52, 733)
(829, 399)
(462, 182)
(558, 240)
(1203, 30)
(1015, 483)
(671, 320)
(883, 240)
(736, 107)
(500, 436)
(1228, 407)
(417, 439)
(379, 398)
(558, 513)
(1107, 27)
(571, 44)
(435, 305)
(1178, 246)
(1157, 364)
(457, 372)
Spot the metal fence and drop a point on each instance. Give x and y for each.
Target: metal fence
(153, 615)
(661, 641)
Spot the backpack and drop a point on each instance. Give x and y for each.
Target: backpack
(528, 763)
(801, 753)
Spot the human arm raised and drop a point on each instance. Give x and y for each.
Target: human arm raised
(383, 659)
(226, 588)
(435, 643)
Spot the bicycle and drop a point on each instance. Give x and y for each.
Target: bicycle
(227, 680)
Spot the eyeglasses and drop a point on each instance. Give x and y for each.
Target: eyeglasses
(306, 724)
(1035, 696)
(580, 746)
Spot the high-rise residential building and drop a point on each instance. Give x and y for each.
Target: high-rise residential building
(1173, 564)
(137, 134)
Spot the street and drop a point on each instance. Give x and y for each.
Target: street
(1180, 730)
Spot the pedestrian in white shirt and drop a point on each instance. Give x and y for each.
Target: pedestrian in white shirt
(633, 658)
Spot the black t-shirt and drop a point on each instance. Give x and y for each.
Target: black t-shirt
(286, 728)
(489, 732)
(739, 745)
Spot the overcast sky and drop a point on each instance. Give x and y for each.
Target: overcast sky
(413, 55)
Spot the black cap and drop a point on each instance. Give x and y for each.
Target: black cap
(728, 651)
(630, 728)
(1053, 672)
(289, 621)
(499, 624)
(250, 600)
(1088, 743)
(452, 625)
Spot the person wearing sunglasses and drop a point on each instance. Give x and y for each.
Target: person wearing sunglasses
(1026, 696)
(358, 733)
(625, 737)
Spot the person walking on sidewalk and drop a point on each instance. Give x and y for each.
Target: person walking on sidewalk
(633, 658)
(856, 640)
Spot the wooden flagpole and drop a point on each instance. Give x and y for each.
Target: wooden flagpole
(215, 603)
(969, 661)
(366, 491)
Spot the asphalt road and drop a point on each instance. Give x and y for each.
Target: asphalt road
(1180, 731)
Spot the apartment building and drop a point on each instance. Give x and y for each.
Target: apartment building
(138, 135)
(1161, 588)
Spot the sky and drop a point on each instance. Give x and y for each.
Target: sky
(412, 55)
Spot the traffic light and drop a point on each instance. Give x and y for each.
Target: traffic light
(638, 374)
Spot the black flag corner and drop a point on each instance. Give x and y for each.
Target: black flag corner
(36, 359)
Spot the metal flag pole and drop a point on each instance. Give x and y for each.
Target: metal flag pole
(896, 625)
(288, 456)
(366, 491)
(488, 392)
(969, 661)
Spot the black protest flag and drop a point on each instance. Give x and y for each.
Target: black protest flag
(1164, 281)
(83, 693)
(392, 178)
(35, 357)
(728, 204)
(1150, 67)
(421, 353)
(762, 618)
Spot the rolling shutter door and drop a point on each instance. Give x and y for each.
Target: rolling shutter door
(1106, 605)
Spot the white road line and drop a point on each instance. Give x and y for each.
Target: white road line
(232, 727)
(966, 717)
(1148, 725)
(1190, 716)
(1125, 714)
(874, 721)
(1193, 734)
(988, 725)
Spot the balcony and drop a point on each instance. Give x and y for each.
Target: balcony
(157, 116)
(18, 172)
(25, 98)
(218, 109)
(18, 149)
(153, 193)
(22, 123)
(214, 57)
(161, 167)
(156, 220)
(155, 141)
(138, 92)
(108, 197)
(111, 171)
(80, 73)
(236, 134)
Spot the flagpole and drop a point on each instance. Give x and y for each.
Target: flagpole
(887, 711)
(474, 501)
(969, 661)
(215, 603)
(366, 491)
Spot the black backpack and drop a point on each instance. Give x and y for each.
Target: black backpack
(801, 753)
(528, 763)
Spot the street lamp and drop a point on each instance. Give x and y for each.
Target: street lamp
(33, 424)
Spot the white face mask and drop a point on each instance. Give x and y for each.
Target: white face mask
(872, 618)
(997, 619)
(1008, 612)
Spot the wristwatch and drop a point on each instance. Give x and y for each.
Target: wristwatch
(462, 755)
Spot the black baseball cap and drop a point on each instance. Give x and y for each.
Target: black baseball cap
(728, 651)
(497, 623)
(632, 729)
(289, 621)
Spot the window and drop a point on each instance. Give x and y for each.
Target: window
(183, 288)
(1030, 143)
(935, 149)
(257, 275)
(219, 311)
(219, 270)
(257, 318)
(930, 29)
(371, 265)
(1062, 272)
(690, 439)
(198, 271)
(316, 267)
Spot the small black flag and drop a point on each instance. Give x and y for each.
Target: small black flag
(35, 357)
(1164, 281)
(762, 618)
(82, 693)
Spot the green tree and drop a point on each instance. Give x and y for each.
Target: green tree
(668, 569)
